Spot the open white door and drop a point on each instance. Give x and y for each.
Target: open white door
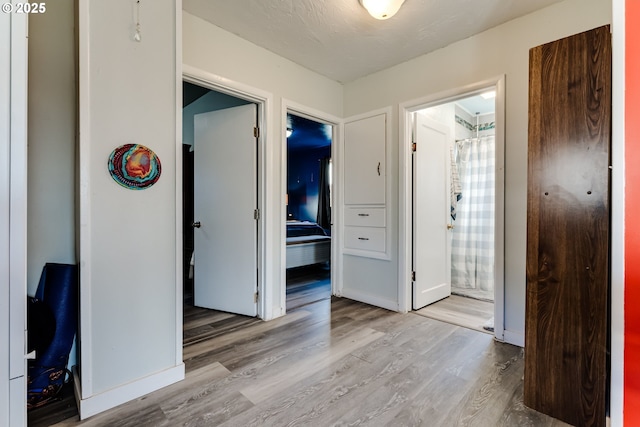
(225, 210)
(431, 213)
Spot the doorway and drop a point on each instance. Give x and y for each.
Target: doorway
(220, 200)
(454, 180)
(308, 210)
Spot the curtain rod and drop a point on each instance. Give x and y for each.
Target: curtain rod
(475, 137)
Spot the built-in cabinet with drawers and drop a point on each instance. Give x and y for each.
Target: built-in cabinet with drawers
(365, 187)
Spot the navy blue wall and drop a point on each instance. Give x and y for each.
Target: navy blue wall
(308, 143)
(302, 182)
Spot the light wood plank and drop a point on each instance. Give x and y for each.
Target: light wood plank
(337, 362)
(462, 311)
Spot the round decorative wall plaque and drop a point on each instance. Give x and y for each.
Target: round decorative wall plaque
(134, 166)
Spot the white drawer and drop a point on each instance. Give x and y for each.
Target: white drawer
(365, 238)
(365, 217)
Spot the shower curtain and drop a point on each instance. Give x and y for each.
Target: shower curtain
(472, 242)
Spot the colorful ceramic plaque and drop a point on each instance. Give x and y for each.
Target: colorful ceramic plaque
(134, 166)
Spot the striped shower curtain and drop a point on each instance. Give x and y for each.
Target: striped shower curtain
(472, 242)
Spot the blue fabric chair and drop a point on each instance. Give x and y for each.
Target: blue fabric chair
(58, 288)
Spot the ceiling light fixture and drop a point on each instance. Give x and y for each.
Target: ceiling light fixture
(289, 132)
(382, 9)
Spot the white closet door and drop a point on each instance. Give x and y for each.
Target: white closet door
(366, 274)
(364, 159)
(13, 217)
(5, 179)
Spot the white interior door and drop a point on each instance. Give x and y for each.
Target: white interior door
(431, 213)
(225, 203)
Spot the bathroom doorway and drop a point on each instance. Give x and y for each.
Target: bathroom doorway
(456, 207)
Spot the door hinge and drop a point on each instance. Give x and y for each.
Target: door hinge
(256, 132)
(414, 146)
(256, 214)
(413, 276)
(255, 297)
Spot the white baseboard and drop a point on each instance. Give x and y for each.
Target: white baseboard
(515, 338)
(370, 299)
(117, 396)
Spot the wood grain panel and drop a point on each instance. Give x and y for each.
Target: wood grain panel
(568, 228)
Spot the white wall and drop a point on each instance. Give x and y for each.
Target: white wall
(129, 253)
(214, 50)
(233, 60)
(443, 114)
(52, 138)
(466, 62)
(211, 101)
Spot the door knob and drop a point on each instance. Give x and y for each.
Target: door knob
(450, 226)
(195, 224)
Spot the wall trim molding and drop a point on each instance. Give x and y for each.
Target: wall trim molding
(618, 141)
(301, 110)
(117, 396)
(266, 186)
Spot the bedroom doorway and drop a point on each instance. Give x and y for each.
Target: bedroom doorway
(308, 210)
(220, 246)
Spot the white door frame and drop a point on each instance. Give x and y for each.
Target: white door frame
(405, 202)
(266, 234)
(336, 203)
(13, 221)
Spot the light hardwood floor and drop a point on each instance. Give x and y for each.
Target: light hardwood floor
(462, 311)
(306, 285)
(472, 293)
(335, 362)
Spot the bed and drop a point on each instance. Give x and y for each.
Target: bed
(307, 244)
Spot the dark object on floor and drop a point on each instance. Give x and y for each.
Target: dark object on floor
(58, 289)
(41, 324)
(55, 411)
(488, 325)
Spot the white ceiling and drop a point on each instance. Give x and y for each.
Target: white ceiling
(477, 105)
(340, 40)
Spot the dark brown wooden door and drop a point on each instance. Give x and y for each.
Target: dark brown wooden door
(568, 228)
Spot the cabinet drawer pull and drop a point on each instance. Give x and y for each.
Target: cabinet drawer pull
(378, 168)
(363, 238)
(361, 214)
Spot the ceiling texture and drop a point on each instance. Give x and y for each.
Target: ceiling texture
(340, 40)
